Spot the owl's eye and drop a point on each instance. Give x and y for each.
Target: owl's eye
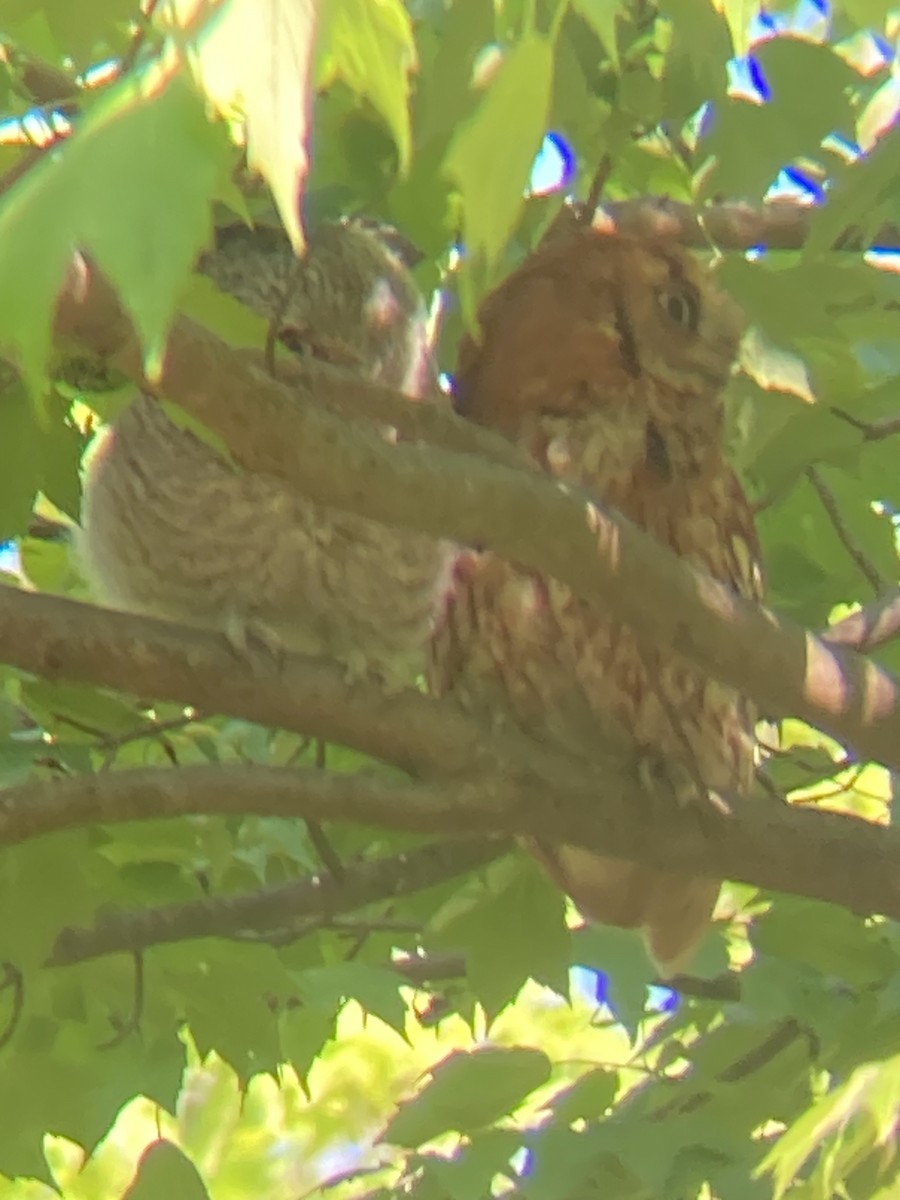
(682, 306)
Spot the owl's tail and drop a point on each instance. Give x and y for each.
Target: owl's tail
(672, 911)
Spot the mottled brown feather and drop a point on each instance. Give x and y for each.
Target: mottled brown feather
(171, 529)
(603, 358)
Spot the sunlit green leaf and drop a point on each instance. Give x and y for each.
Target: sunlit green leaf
(370, 47)
(468, 1091)
(491, 154)
(164, 1171)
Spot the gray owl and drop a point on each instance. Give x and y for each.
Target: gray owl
(172, 529)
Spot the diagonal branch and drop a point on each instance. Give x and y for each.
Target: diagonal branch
(864, 564)
(872, 431)
(605, 807)
(313, 897)
(58, 638)
(871, 626)
(521, 514)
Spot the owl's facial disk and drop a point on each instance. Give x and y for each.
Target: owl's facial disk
(594, 322)
(685, 330)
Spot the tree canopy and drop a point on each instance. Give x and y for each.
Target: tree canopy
(261, 927)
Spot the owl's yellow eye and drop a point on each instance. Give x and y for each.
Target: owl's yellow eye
(682, 306)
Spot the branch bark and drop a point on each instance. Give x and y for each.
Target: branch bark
(516, 511)
(735, 224)
(313, 896)
(819, 855)
(874, 624)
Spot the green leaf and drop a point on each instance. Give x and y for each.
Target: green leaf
(603, 18)
(695, 63)
(830, 939)
(376, 989)
(468, 1090)
(511, 931)
(863, 196)
(91, 28)
(444, 94)
(471, 1172)
(223, 314)
(491, 154)
(46, 885)
(40, 452)
(752, 142)
(797, 302)
(567, 1164)
(76, 1091)
(255, 56)
(209, 1102)
(870, 14)
(243, 1030)
(20, 436)
(739, 15)
(588, 1098)
(809, 569)
(871, 1089)
(149, 271)
(163, 1171)
(371, 48)
(799, 767)
(304, 1031)
(620, 955)
(134, 160)
(63, 707)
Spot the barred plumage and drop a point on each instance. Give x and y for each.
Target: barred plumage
(170, 529)
(603, 358)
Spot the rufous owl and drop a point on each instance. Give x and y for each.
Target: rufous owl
(171, 529)
(604, 358)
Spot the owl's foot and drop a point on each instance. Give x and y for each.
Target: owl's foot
(663, 777)
(391, 678)
(253, 641)
(659, 773)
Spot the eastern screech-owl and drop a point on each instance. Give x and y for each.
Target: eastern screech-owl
(603, 358)
(171, 529)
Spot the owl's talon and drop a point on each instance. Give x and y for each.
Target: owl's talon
(253, 640)
(657, 772)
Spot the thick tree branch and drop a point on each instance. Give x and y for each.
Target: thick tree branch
(735, 224)
(872, 626)
(314, 896)
(820, 855)
(528, 517)
(58, 638)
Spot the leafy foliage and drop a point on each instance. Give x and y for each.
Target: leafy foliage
(318, 1058)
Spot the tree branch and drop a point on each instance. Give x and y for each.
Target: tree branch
(820, 855)
(516, 511)
(872, 431)
(735, 224)
(58, 638)
(313, 896)
(866, 567)
(872, 626)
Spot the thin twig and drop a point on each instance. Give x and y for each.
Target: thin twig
(138, 38)
(866, 567)
(872, 431)
(595, 191)
(267, 908)
(328, 856)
